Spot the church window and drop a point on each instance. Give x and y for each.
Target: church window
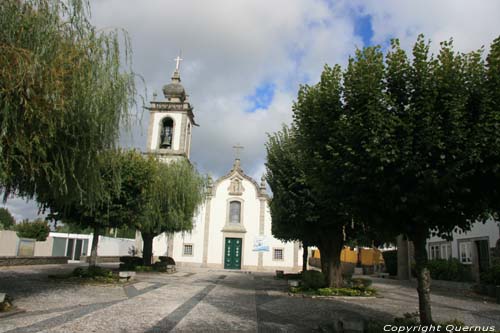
(188, 250)
(235, 212)
(166, 134)
(278, 254)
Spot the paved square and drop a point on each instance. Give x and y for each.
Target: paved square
(206, 300)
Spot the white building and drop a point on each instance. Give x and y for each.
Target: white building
(474, 247)
(232, 229)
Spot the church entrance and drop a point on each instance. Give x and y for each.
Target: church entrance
(232, 257)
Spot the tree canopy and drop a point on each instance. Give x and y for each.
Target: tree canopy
(65, 88)
(123, 202)
(37, 229)
(7, 221)
(172, 198)
(402, 144)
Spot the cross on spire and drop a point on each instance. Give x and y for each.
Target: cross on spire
(237, 150)
(178, 61)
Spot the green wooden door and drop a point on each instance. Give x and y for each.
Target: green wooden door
(232, 256)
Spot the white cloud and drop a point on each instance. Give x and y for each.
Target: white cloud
(232, 47)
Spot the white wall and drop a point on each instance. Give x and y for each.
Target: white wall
(8, 243)
(158, 116)
(490, 229)
(109, 246)
(195, 237)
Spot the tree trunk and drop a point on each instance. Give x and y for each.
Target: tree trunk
(147, 248)
(330, 251)
(93, 251)
(305, 256)
(423, 278)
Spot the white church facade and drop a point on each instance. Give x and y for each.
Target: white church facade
(232, 228)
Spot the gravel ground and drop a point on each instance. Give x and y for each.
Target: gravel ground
(209, 300)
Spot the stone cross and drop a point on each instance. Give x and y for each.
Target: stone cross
(237, 149)
(178, 62)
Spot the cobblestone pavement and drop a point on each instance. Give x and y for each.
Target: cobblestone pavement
(207, 300)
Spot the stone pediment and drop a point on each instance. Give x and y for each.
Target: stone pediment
(236, 175)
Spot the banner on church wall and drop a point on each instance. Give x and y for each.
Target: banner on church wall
(261, 244)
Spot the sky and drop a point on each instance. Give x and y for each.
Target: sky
(244, 60)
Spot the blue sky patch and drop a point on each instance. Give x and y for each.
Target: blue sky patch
(363, 28)
(262, 97)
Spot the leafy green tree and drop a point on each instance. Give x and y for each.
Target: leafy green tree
(123, 204)
(292, 206)
(403, 146)
(7, 221)
(172, 198)
(65, 90)
(38, 229)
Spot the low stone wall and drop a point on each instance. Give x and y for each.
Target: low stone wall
(102, 259)
(18, 261)
(452, 285)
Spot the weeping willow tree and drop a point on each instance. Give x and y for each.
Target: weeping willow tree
(175, 193)
(65, 90)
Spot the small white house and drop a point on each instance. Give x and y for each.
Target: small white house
(473, 247)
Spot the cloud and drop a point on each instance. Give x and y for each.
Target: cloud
(235, 51)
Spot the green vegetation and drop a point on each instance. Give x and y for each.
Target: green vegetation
(391, 145)
(38, 229)
(174, 193)
(66, 90)
(391, 261)
(312, 280)
(90, 274)
(123, 202)
(7, 304)
(7, 221)
(449, 270)
(491, 276)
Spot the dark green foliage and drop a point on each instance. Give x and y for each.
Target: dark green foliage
(90, 274)
(391, 262)
(313, 280)
(167, 260)
(38, 229)
(172, 197)
(66, 89)
(128, 263)
(491, 276)
(7, 221)
(7, 304)
(160, 266)
(450, 270)
(358, 283)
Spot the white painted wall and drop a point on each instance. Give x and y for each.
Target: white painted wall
(109, 246)
(158, 117)
(490, 230)
(195, 237)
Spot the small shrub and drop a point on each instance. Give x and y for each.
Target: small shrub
(92, 273)
(491, 276)
(295, 290)
(160, 266)
(128, 263)
(38, 229)
(143, 268)
(313, 280)
(358, 283)
(449, 270)
(6, 305)
(167, 260)
(391, 261)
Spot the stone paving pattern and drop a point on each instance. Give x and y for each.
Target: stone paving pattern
(206, 300)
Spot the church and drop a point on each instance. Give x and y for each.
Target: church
(232, 228)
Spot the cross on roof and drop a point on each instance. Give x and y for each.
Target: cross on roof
(178, 62)
(237, 150)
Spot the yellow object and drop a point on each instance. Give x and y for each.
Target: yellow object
(369, 257)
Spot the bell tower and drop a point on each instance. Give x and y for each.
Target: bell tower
(171, 121)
